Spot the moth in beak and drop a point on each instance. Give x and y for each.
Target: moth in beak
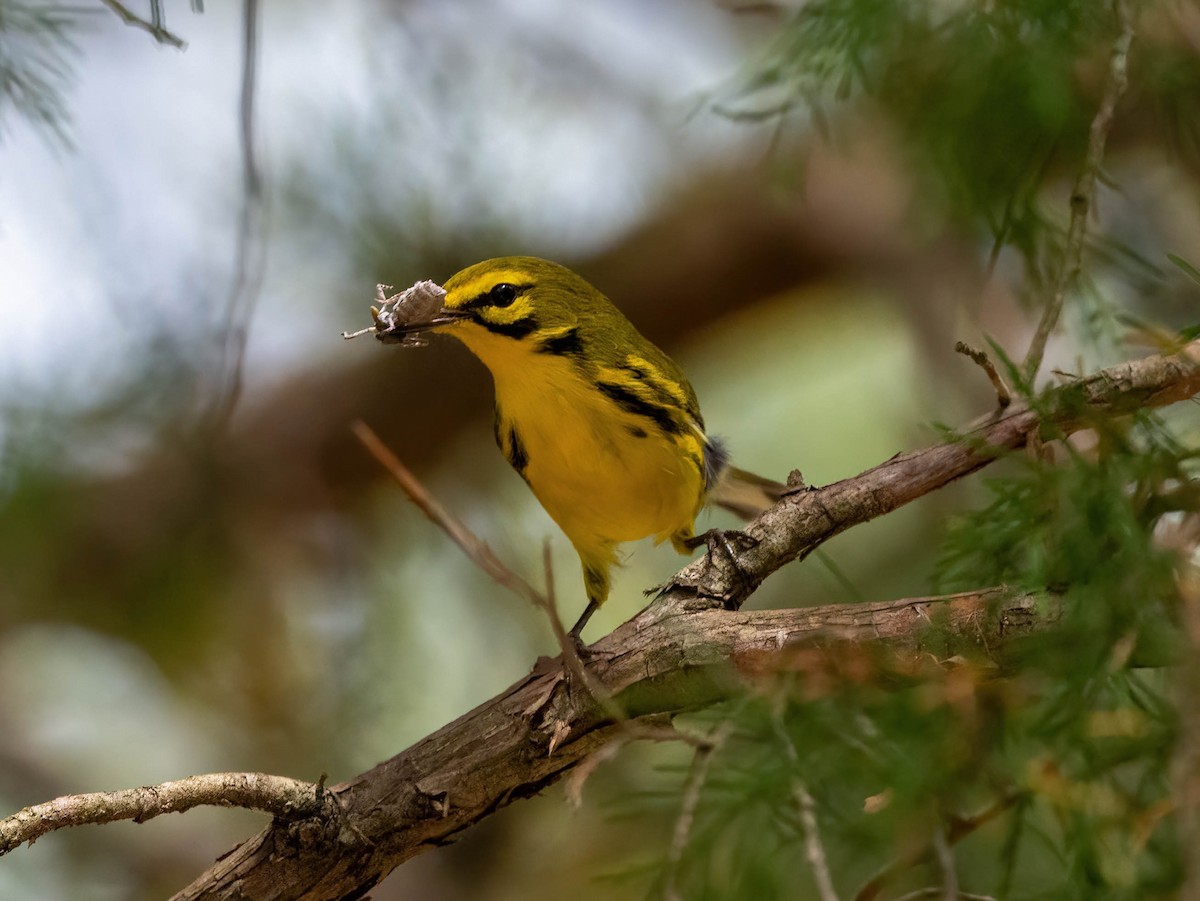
(404, 318)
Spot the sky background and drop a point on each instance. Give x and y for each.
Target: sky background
(102, 239)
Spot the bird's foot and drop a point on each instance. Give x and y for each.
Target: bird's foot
(725, 540)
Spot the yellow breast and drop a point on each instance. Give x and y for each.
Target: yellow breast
(604, 474)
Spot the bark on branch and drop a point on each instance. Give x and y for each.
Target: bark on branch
(693, 646)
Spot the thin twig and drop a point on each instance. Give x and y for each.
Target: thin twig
(478, 552)
(945, 859)
(250, 256)
(698, 775)
(814, 850)
(485, 558)
(655, 727)
(1083, 194)
(956, 830)
(1185, 765)
(570, 652)
(286, 798)
(156, 29)
(934, 891)
(981, 359)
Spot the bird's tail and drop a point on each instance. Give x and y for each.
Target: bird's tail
(743, 493)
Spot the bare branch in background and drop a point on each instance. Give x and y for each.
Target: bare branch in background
(814, 850)
(484, 557)
(1083, 194)
(287, 799)
(155, 27)
(251, 253)
(1186, 763)
(981, 359)
(946, 863)
(939, 847)
(701, 763)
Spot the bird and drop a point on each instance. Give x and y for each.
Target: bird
(600, 423)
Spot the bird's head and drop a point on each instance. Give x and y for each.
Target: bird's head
(502, 303)
(506, 307)
(517, 296)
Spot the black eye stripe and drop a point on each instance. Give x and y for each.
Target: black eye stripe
(487, 299)
(526, 325)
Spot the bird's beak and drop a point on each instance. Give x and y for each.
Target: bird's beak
(392, 331)
(404, 318)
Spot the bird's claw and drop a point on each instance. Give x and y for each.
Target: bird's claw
(725, 540)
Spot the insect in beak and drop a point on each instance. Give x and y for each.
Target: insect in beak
(403, 318)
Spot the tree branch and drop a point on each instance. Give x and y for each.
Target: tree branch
(250, 251)
(701, 763)
(805, 519)
(690, 648)
(1083, 193)
(155, 29)
(483, 556)
(425, 796)
(814, 850)
(287, 799)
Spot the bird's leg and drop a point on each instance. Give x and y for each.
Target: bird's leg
(725, 540)
(576, 629)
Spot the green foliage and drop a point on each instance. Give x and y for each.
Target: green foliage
(1185, 267)
(990, 103)
(1104, 726)
(1069, 738)
(1071, 749)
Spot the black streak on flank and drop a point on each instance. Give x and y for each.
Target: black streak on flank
(644, 376)
(637, 432)
(519, 329)
(516, 453)
(631, 403)
(510, 444)
(568, 344)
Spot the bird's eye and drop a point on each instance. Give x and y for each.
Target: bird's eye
(503, 295)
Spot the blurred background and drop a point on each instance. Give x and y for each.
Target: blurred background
(201, 570)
